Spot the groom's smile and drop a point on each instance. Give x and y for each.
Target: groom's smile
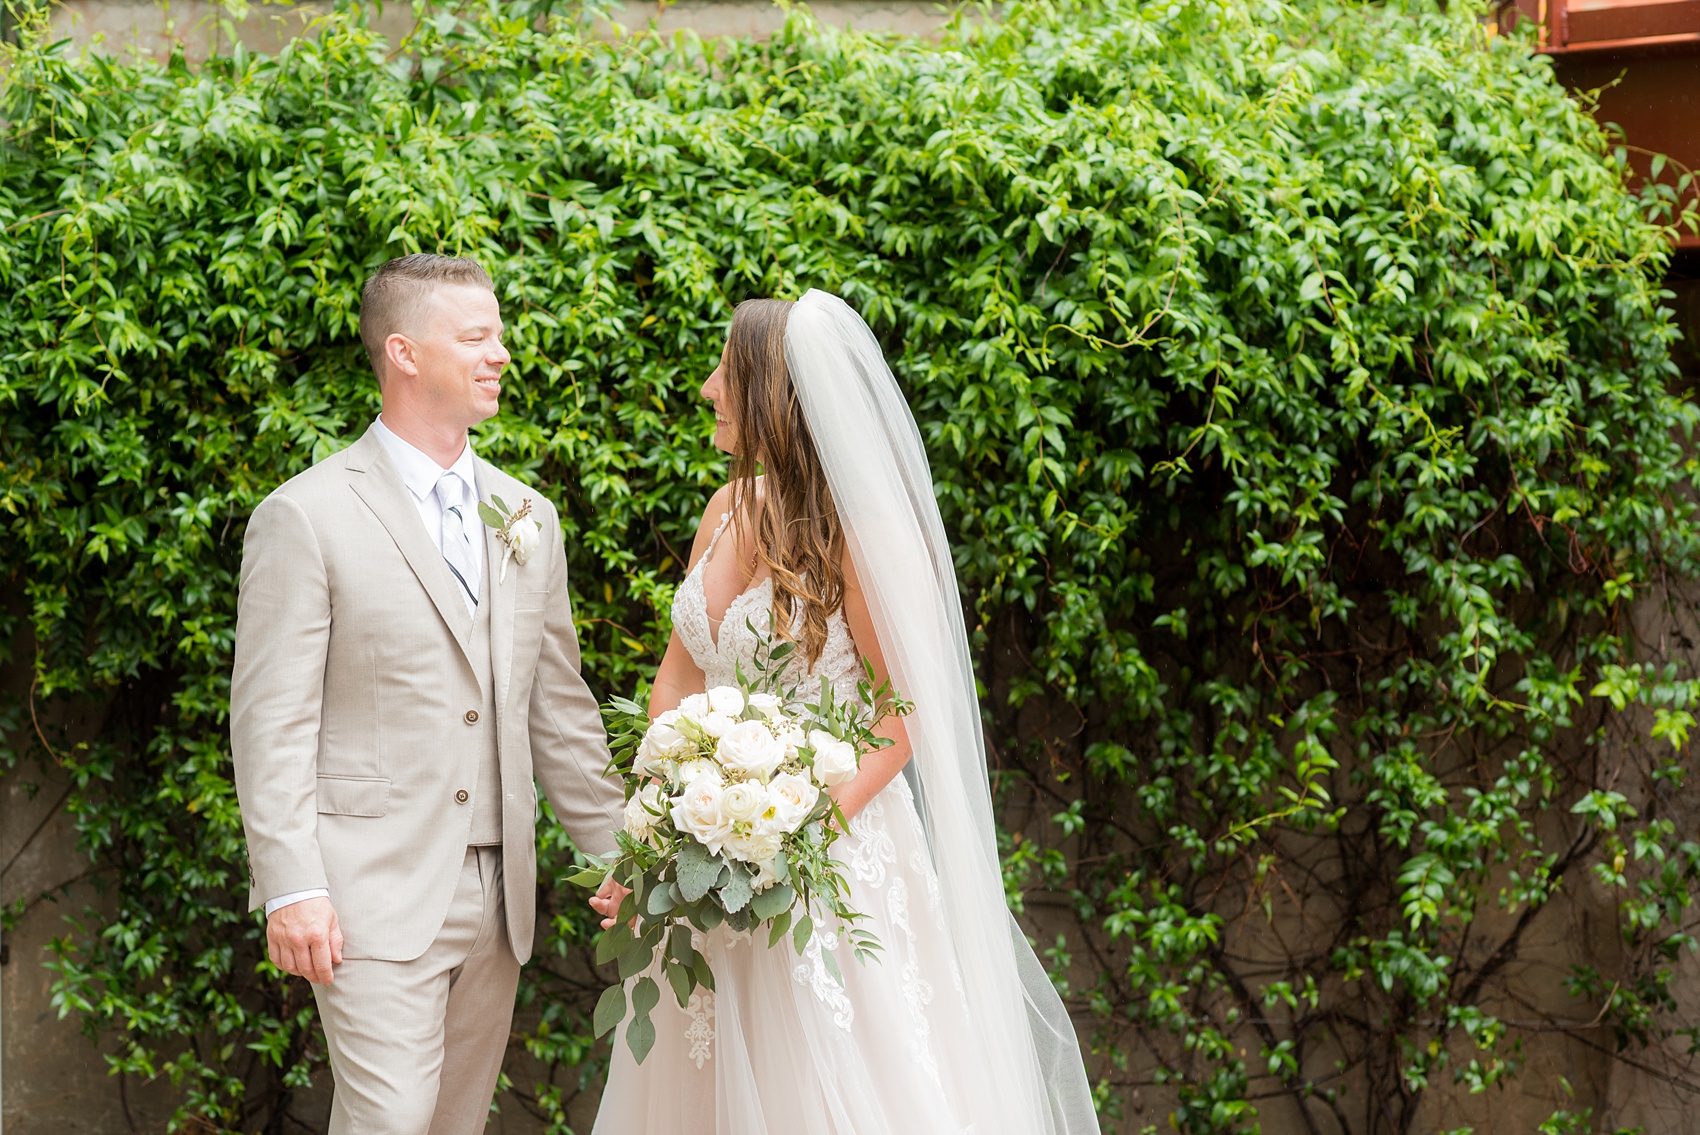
(457, 354)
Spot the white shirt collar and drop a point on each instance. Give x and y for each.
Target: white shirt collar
(419, 471)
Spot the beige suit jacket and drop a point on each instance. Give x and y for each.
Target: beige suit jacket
(354, 706)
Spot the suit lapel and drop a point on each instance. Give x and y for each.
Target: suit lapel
(501, 592)
(378, 484)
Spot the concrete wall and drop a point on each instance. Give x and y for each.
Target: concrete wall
(153, 27)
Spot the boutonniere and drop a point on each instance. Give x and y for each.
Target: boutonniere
(517, 529)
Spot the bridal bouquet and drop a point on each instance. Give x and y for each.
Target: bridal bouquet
(728, 821)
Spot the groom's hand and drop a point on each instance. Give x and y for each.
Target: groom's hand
(304, 939)
(606, 901)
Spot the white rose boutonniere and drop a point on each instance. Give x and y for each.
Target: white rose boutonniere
(517, 529)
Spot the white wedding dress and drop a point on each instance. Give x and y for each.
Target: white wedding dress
(956, 1027)
(780, 1048)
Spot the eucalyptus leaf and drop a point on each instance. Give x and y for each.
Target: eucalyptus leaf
(683, 980)
(613, 943)
(610, 1008)
(636, 958)
(775, 900)
(640, 1037)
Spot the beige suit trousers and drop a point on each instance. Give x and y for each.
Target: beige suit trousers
(417, 1046)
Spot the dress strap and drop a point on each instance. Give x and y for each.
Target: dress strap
(714, 539)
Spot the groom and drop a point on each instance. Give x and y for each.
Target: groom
(397, 687)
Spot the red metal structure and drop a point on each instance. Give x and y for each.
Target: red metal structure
(1643, 57)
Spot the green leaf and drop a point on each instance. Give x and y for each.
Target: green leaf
(613, 943)
(662, 899)
(682, 980)
(778, 929)
(735, 892)
(490, 516)
(801, 934)
(696, 870)
(704, 975)
(775, 900)
(640, 1037)
(590, 878)
(610, 1009)
(636, 958)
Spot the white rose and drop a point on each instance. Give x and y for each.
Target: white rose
(525, 536)
(757, 846)
(744, 802)
(665, 731)
(715, 724)
(644, 811)
(661, 742)
(726, 699)
(650, 761)
(750, 748)
(793, 798)
(697, 769)
(765, 876)
(768, 705)
(692, 707)
(790, 735)
(697, 812)
(835, 760)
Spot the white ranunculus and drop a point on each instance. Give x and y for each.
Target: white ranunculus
(714, 724)
(835, 760)
(644, 811)
(697, 769)
(768, 705)
(744, 802)
(793, 797)
(697, 812)
(750, 748)
(726, 699)
(525, 536)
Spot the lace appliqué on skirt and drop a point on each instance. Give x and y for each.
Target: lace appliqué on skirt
(812, 972)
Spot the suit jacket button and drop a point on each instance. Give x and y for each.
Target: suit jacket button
(460, 797)
(472, 717)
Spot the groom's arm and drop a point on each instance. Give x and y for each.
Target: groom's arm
(283, 627)
(569, 747)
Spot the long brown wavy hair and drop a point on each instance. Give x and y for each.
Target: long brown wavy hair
(795, 523)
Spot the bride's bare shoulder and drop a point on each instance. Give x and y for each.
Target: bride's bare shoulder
(719, 505)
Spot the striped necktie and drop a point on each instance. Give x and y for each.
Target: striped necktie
(457, 543)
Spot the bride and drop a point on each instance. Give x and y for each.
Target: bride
(954, 1026)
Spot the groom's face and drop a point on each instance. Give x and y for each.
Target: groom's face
(458, 355)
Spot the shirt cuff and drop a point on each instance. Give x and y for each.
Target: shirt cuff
(294, 897)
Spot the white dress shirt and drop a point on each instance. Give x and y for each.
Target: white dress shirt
(420, 473)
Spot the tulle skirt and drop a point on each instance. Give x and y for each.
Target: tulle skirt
(780, 1048)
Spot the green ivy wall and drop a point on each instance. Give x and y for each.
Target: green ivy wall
(1300, 404)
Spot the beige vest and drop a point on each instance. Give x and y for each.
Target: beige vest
(487, 782)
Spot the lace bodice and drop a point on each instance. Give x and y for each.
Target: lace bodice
(719, 659)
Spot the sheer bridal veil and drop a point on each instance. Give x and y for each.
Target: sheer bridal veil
(1032, 1078)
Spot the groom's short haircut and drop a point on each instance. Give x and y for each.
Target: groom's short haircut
(391, 298)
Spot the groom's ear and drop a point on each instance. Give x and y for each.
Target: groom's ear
(399, 355)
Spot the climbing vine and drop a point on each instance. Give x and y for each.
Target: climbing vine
(1299, 399)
